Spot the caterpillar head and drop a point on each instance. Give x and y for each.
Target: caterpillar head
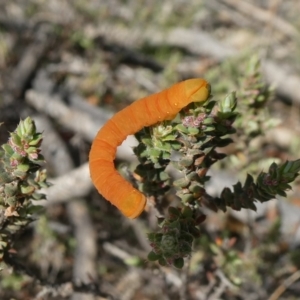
(196, 90)
(182, 94)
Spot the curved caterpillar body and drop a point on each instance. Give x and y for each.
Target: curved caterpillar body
(142, 113)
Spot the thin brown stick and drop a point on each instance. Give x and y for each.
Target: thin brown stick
(86, 250)
(199, 43)
(77, 121)
(284, 286)
(264, 16)
(30, 60)
(75, 184)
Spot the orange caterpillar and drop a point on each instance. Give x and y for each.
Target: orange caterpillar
(142, 113)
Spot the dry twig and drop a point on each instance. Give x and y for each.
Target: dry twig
(199, 43)
(264, 16)
(285, 285)
(86, 251)
(75, 120)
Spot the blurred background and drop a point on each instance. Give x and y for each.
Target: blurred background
(70, 65)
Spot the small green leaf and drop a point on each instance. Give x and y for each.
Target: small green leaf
(8, 149)
(16, 140)
(196, 189)
(10, 189)
(16, 156)
(186, 161)
(165, 147)
(154, 153)
(20, 174)
(192, 176)
(193, 130)
(152, 256)
(170, 137)
(35, 209)
(187, 198)
(11, 201)
(182, 182)
(162, 261)
(36, 141)
(133, 261)
(23, 167)
(178, 263)
(31, 150)
(175, 145)
(174, 212)
(29, 126)
(215, 249)
(209, 128)
(147, 141)
(168, 242)
(181, 128)
(208, 121)
(187, 212)
(163, 176)
(281, 193)
(38, 196)
(229, 103)
(27, 189)
(155, 237)
(5, 177)
(20, 129)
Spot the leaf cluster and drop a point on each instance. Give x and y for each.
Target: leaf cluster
(21, 177)
(192, 143)
(173, 242)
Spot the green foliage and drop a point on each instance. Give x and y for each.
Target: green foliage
(268, 185)
(80, 39)
(173, 242)
(13, 282)
(20, 178)
(197, 137)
